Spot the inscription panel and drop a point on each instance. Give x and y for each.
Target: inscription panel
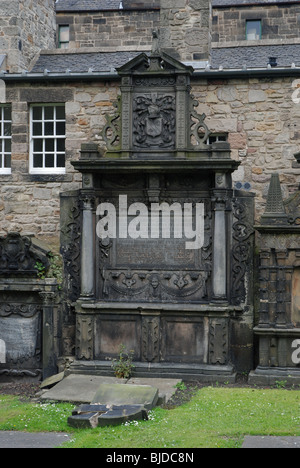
(156, 256)
(21, 337)
(138, 253)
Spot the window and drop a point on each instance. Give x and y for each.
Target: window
(213, 138)
(253, 30)
(47, 139)
(5, 139)
(63, 36)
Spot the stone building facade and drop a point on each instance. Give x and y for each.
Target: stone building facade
(61, 86)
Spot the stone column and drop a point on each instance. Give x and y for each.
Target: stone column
(220, 240)
(220, 251)
(48, 340)
(87, 246)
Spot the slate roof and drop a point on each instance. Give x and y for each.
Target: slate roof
(82, 62)
(228, 57)
(227, 3)
(256, 56)
(104, 5)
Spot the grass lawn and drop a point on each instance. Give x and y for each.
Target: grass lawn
(215, 417)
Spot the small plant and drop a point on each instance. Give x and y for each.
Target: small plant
(41, 270)
(123, 366)
(181, 386)
(281, 383)
(55, 269)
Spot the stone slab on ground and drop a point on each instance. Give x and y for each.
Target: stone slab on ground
(78, 388)
(166, 387)
(120, 394)
(14, 439)
(81, 388)
(271, 442)
(91, 416)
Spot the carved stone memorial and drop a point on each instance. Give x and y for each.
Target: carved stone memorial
(278, 330)
(157, 245)
(27, 311)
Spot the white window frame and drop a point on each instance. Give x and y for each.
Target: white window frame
(46, 170)
(218, 137)
(3, 139)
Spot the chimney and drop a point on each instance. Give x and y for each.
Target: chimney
(27, 27)
(185, 29)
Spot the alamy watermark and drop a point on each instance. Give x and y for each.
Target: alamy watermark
(161, 221)
(296, 353)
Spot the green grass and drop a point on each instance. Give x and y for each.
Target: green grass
(215, 417)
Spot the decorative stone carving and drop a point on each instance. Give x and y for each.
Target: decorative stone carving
(19, 256)
(154, 121)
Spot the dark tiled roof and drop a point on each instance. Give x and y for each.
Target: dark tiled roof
(227, 3)
(82, 62)
(102, 5)
(256, 56)
(228, 57)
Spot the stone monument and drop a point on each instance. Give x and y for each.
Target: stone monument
(278, 330)
(157, 245)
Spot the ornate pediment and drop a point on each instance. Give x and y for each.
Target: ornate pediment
(158, 62)
(156, 110)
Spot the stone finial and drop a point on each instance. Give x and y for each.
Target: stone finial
(155, 43)
(275, 211)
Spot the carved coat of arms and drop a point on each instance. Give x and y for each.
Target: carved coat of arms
(154, 121)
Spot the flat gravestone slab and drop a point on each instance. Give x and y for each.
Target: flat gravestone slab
(121, 414)
(82, 421)
(119, 394)
(91, 416)
(77, 388)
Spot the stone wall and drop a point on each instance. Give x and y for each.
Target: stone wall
(26, 27)
(30, 204)
(278, 22)
(262, 123)
(259, 116)
(111, 29)
(185, 28)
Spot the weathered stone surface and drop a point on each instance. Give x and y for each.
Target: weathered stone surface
(117, 395)
(86, 420)
(100, 415)
(121, 414)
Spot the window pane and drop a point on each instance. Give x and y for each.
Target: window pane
(49, 110)
(7, 113)
(49, 145)
(64, 33)
(48, 129)
(60, 113)
(61, 144)
(7, 129)
(37, 113)
(37, 160)
(7, 161)
(253, 29)
(37, 145)
(60, 128)
(7, 146)
(37, 129)
(49, 160)
(60, 160)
